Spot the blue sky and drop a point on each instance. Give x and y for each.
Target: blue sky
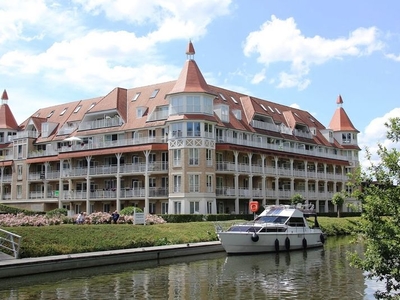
(298, 53)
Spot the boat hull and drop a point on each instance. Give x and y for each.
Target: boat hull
(246, 242)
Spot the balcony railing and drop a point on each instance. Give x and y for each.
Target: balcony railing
(102, 123)
(26, 134)
(41, 153)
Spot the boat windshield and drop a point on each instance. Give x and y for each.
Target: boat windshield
(271, 219)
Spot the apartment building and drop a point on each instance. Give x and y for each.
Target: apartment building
(178, 147)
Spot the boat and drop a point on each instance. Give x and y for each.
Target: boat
(277, 228)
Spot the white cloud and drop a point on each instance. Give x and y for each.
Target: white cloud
(96, 59)
(374, 134)
(281, 41)
(393, 57)
(258, 77)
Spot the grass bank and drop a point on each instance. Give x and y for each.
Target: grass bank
(68, 238)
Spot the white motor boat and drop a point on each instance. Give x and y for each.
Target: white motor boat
(277, 228)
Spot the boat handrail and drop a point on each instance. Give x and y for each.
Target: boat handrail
(10, 242)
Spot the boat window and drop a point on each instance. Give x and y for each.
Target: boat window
(296, 222)
(271, 219)
(244, 229)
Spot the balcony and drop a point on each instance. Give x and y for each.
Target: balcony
(92, 145)
(26, 134)
(41, 153)
(101, 123)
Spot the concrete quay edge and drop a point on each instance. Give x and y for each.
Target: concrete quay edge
(38, 265)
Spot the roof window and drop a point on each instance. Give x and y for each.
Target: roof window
(63, 111)
(154, 94)
(92, 105)
(234, 100)
(50, 114)
(263, 107)
(77, 109)
(222, 97)
(136, 96)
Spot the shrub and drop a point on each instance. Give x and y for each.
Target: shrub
(58, 212)
(128, 211)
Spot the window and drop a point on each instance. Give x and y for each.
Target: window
(154, 94)
(63, 112)
(208, 130)
(194, 183)
(193, 129)
(50, 114)
(222, 97)
(177, 207)
(263, 107)
(139, 112)
(209, 207)
(176, 105)
(209, 157)
(177, 183)
(193, 156)
(19, 170)
(209, 184)
(177, 157)
(224, 113)
(91, 106)
(234, 100)
(177, 130)
(164, 208)
(346, 138)
(77, 109)
(152, 182)
(193, 104)
(194, 207)
(152, 208)
(136, 96)
(152, 133)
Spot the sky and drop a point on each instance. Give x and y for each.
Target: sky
(297, 53)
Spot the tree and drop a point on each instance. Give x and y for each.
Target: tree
(297, 198)
(338, 200)
(380, 221)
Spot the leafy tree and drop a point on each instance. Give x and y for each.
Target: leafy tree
(297, 198)
(338, 200)
(380, 195)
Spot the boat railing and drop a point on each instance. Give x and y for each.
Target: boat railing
(10, 243)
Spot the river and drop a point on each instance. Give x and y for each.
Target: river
(312, 274)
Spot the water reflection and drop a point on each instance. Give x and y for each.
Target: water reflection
(313, 274)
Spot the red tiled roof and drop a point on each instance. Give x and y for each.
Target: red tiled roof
(340, 120)
(7, 120)
(191, 79)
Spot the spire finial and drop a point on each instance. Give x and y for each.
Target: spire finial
(4, 97)
(190, 51)
(339, 100)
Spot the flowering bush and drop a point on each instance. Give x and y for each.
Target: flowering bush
(20, 219)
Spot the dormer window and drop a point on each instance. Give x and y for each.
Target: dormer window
(237, 113)
(154, 94)
(139, 112)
